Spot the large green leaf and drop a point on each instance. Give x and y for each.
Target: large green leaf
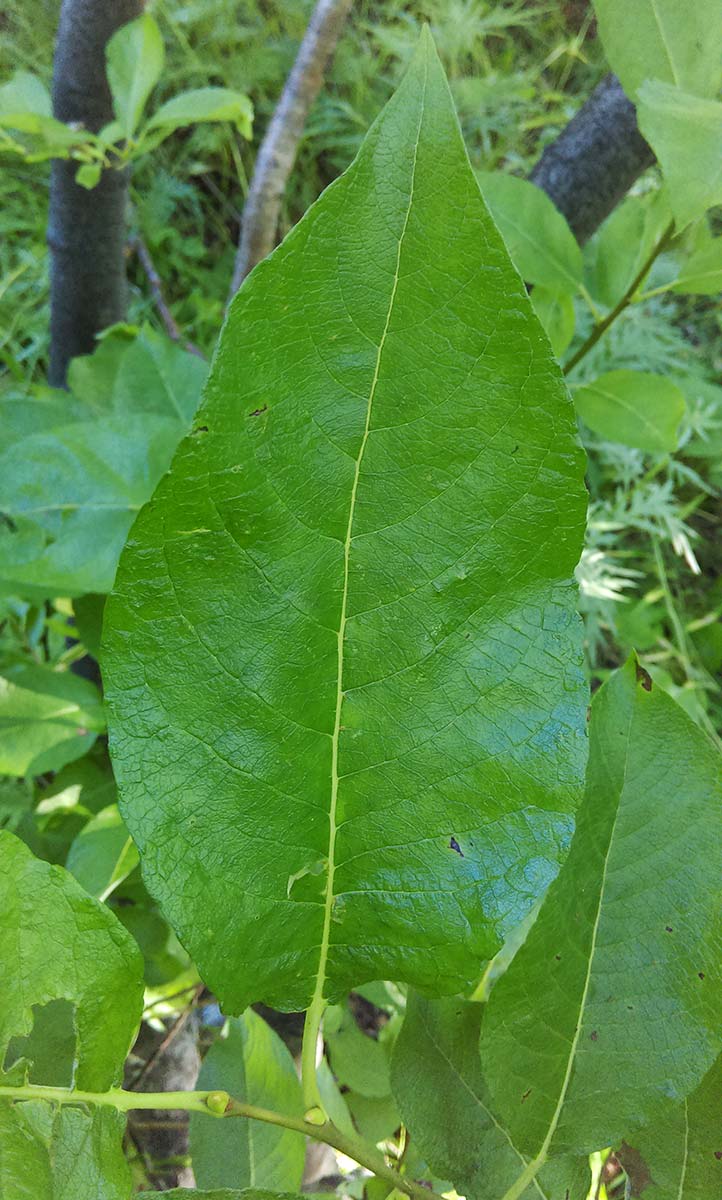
(670, 40)
(75, 471)
(47, 718)
(438, 1085)
(58, 944)
(680, 1157)
(252, 1063)
(342, 660)
(635, 408)
(686, 135)
(541, 244)
(623, 963)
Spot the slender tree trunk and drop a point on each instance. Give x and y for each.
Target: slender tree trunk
(86, 229)
(595, 160)
(277, 154)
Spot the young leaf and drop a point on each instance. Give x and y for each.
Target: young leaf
(103, 854)
(681, 1155)
(667, 40)
(205, 104)
(56, 942)
(252, 1063)
(634, 408)
(540, 243)
(623, 959)
(686, 135)
(437, 1081)
(555, 310)
(47, 718)
(701, 274)
(342, 660)
(135, 57)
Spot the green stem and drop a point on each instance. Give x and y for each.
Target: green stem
(602, 326)
(210, 1103)
(309, 1050)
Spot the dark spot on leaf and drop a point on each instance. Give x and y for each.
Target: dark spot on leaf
(526, 1093)
(636, 1168)
(9, 522)
(594, 1035)
(558, 957)
(700, 974)
(515, 448)
(644, 678)
(668, 928)
(200, 429)
(630, 1007)
(718, 1155)
(454, 845)
(257, 411)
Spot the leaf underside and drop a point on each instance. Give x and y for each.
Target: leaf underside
(342, 660)
(624, 958)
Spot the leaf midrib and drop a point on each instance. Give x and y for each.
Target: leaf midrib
(318, 995)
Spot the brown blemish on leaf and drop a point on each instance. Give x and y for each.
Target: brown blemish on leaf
(639, 1174)
(668, 928)
(526, 1094)
(700, 974)
(200, 429)
(257, 411)
(644, 677)
(454, 845)
(594, 1035)
(718, 1155)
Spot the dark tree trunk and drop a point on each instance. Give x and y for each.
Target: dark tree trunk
(86, 229)
(595, 160)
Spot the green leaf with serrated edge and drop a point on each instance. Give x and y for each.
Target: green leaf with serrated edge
(680, 1157)
(253, 1064)
(47, 718)
(635, 408)
(686, 135)
(669, 40)
(437, 1082)
(541, 244)
(343, 631)
(103, 854)
(205, 104)
(623, 959)
(60, 1153)
(134, 57)
(72, 479)
(56, 942)
(701, 274)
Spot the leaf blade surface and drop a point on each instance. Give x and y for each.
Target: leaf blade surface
(345, 618)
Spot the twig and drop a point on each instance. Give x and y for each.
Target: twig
(169, 323)
(220, 1105)
(602, 326)
(277, 152)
